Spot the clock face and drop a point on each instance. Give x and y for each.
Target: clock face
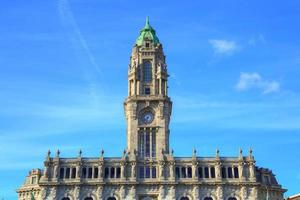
(147, 117)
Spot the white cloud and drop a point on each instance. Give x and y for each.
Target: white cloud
(223, 46)
(255, 81)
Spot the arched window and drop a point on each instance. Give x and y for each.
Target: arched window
(232, 198)
(208, 198)
(111, 198)
(88, 198)
(147, 71)
(65, 198)
(184, 198)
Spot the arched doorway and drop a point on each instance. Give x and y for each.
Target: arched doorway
(111, 198)
(184, 198)
(65, 198)
(208, 198)
(232, 198)
(147, 198)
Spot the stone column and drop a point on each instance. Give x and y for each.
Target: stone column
(43, 193)
(161, 170)
(241, 171)
(100, 192)
(172, 175)
(55, 171)
(219, 192)
(133, 171)
(132, 193)
(122, 192)
(78, 171)
(244, 193)
(194, 170)
(122, 171)
(46, 171)
(196, 192)
(52, 194)
(101, 165)
(161, 192)
(218, 167)
(77, 192)
(252, 174)
(253, 194)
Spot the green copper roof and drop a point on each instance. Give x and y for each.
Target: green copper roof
(147, 33)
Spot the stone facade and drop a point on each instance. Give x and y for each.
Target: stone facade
(148, 170)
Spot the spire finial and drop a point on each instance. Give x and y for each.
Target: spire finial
(79, 153)
(48, 153)
(217, 153)
(147, 20)
(57, 153)
(102, 153)
(194, 152)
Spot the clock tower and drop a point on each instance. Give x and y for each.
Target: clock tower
(148, 107)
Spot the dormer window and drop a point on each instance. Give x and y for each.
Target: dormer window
(147, 44)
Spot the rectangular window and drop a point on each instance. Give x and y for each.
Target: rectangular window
(189, 172)
(267, 180)
(147, 69)
(147, 91)
(153, 143)
(200, 172)
(112, 172)
(147, 172)
(206, 172)
(183, 172)
(141, 172)
(33, 180)
(153, 172)
(177, 172)
(147, 143)
(223, 172)
(118, 175)
(106, 172)
(236, 172)
(212, 172)
(68, 173)
(61, 173)
(84, 172)
(74, 172)
(229, 171)
(142, 143)
(90, 172)
(96, 172)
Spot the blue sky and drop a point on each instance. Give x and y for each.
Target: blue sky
(234, 80)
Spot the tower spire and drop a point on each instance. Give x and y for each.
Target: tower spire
(147, 33)
(147, 25)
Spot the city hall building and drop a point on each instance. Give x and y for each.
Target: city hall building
(148, 170)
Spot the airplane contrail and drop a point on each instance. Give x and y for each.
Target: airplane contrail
(67, 17)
